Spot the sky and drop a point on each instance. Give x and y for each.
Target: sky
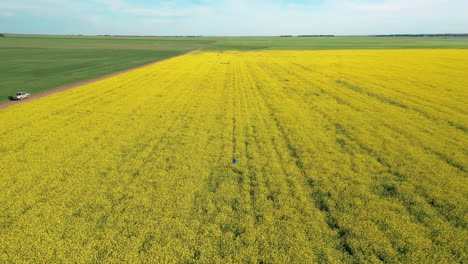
(233, 17)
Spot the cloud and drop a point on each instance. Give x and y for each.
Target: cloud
(417, 6)
(374, 7)
(157, 21)
(13, 5)
(50, 9)
(164, 9)
(7, 14)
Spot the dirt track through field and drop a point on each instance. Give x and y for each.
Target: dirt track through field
(63, 88)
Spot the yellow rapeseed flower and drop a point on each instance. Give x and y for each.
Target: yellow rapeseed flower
(343, 157)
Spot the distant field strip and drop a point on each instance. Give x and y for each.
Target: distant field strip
(344, 157)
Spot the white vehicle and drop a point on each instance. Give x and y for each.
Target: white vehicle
(21, 96)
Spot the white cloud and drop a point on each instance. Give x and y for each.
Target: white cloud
(7, 14)
(157, 21)
(417, 6)
(13, 5)
(165, 9)
(61, 9)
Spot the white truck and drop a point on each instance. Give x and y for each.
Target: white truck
(21, 96)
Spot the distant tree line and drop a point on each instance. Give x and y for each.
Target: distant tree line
(1, 35)
(308, 36)
(424, 35)
(315, 36)
(199, 36)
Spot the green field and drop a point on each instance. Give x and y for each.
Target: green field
(326, 43)
(40, 63)
(104, 42)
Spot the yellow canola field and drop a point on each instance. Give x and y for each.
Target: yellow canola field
(343, 157)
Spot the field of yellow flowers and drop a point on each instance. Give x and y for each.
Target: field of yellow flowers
(342, 157)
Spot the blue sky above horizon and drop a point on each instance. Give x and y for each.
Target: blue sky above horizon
(233, 17)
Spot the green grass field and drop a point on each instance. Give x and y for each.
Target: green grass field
(104, 42)
(325, 43)
(40, 63)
